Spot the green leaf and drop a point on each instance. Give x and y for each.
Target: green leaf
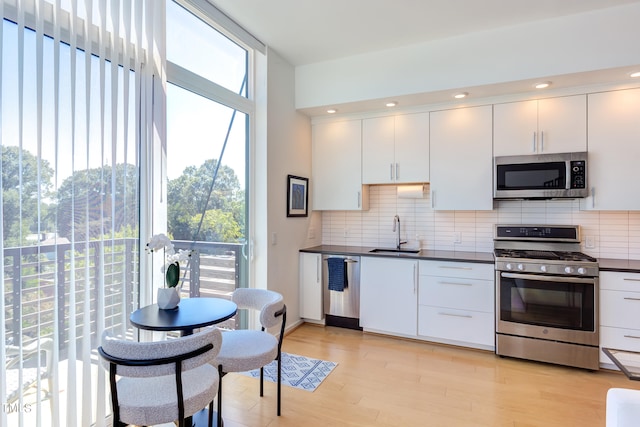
(173, 275)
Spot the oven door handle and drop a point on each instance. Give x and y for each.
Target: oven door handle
(547, 278)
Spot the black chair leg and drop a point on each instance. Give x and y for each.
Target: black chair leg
(220, 374)
(279, 381)
(211, 413)
(261, 382)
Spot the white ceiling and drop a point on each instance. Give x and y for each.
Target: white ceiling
(309, 31)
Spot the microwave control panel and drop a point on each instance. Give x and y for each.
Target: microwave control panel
(578, 174)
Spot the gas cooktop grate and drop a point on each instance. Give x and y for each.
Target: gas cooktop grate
(544, 255)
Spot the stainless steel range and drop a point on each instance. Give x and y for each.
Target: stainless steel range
(546, 295)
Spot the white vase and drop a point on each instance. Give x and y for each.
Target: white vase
(168, 298)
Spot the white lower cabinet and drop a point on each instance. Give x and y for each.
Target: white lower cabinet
(311, 286)
(456, 303)
(389, 295)
(619, 308)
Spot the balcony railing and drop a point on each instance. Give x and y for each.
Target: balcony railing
(36, 277)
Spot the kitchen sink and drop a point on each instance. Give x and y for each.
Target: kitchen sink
(395, 251)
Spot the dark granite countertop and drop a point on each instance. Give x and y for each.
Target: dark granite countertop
(479, 257)
(622, 265)
(605, 264)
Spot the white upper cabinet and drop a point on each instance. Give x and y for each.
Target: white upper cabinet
(395, 149)
(378, 148)
(551, 125)
(614, 151)
(412, 148)
(337, 167)
(461, 159)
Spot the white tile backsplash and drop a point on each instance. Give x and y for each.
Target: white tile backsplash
(615, 234)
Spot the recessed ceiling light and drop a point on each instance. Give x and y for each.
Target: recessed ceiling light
(332, 111)
(391, 104)
(542, 85)
(460, 95)
(635, 74)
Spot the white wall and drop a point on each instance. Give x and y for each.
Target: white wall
(616, 234)
(602, 39)
(287, 152)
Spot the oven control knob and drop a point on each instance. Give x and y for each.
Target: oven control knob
(568, 270)
(508, 266)
(520, 267)
(582, 270)
(543, 268)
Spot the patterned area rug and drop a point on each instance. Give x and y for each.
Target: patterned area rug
(297, 371)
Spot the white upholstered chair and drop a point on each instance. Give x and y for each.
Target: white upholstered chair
(162, 381)
(623, 407)
(245, 350)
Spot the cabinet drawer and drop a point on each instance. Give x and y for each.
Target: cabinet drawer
(618, 281)
(456, 325)
(452, 292)
(619, 339)
(471, 270)
(620, 309)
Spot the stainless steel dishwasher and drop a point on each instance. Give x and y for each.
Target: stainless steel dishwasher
(342, 307)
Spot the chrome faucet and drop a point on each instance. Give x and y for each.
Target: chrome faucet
(396, 227)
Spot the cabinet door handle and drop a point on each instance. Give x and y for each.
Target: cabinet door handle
(533, 147)
(466, 316)
(541, 141)
(318, 269)
(632, 336)
(453, 267)
(359, 199)
(456, 284)
(629, 279)
(397, 172)
(415, 278)
(433, 199)
(593, 197)
(632, 299)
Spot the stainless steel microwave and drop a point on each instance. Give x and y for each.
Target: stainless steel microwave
(541, 176)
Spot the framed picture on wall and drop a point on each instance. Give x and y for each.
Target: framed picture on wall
(297, 196)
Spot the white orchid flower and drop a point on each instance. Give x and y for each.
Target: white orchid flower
(171, 268)
(160, 241)
(182, 255)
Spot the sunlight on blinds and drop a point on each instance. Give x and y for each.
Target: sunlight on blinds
(75, 110)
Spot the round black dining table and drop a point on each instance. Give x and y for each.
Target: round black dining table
(191, 313)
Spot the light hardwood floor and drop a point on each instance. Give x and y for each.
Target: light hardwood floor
(383, 381)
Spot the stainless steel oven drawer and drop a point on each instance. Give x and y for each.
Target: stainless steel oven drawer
(579, 356)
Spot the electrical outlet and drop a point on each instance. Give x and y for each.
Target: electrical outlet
(346, 232)
(274, 239)
(457, 237)
(589, 242)
(311, 234)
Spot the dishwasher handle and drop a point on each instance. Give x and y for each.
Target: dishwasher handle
(346, 260)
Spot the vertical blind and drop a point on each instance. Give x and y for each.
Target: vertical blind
(76, 112)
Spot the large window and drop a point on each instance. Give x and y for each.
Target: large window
(208, 121)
